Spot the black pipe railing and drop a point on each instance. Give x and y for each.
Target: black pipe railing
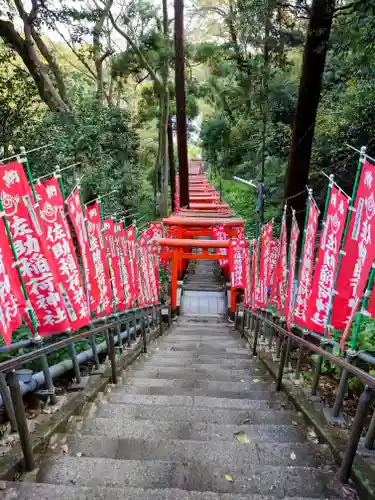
(146, 318)
(259, 324)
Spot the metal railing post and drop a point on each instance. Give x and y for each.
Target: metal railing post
(281, 364)
(342, 386)
(135, 325)
(94, 352)
(161, 326)
(351, 450)
(48, 379)
(73, 355)
(143, 333)
(289, 345)
(318, 368)
(23, 430)
(112, 355)
(370, 436)
(256, 334)
(301, 353)
(8, 405)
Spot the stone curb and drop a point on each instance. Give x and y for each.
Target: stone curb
(12, 462)
(363, 474)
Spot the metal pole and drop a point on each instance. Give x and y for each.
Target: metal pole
(73, 355)
(48, 379)
(8, 405)
(112, 356)
(256, 334)
(23, 429)
(281, 365)
(370, 436)
(351, 450)
(94, 353)
(143, 333)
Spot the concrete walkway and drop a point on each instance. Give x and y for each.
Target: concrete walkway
(196, 418)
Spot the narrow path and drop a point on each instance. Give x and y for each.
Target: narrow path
(168, 431)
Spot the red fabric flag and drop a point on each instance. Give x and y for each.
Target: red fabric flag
(152, 274)
(306, 271)
(125, 265)
(288, 308)
(236, 256)
(325, 270)
(274, 249)
(60, 242)
(133, 261)
(359, 251)
(154, 231)
(254, 277)
(12, 300)
(78, 220)
(114, 264)
(219, 233)
(247, 292)
(143, 295)
(264, 264)
(36, 263)
(146, 273)
(279, 284)
(99, 257)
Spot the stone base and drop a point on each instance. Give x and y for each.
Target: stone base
(99, 371)
(310, 397)
(79, 386)
(364, 452)
(328, 415)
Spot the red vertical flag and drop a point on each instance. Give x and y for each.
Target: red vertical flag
(236, 256)
(78, 220)
(325, 270)
(133, 265)
(34, 257)
(264, 264)
(220, 234)
(247, 292)
(254, 277)
(60, 242)
(274, 249)
(359, 251)
(114, 264)
(99, 257)
(12, 300)
(305, 277)
(125, 265)
(288, 308)
(279, 283)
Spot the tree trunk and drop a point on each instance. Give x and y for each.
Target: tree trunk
(307, 103)
(172, 170)
(164, 166)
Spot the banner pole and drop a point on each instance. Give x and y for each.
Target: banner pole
(309, 199)
(23, 159)
(361, 160)
(363, 311)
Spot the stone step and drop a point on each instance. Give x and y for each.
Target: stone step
(223, 393)
(157, 430)
(197, 414)
(196, 401)
(166, 359)
(236, 456)
(209, 385)
(192, 476)
(209, 372)
(39, 491)
(208, 349)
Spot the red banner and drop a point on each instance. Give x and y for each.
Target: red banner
(152, 273)
(279, 284)
(264, 264)
(154, 231)
(247, 292)
(12, 301)
(133, 258)
(219, 233)
(34, 257)
(143, 279)
(254, 277)
(59, 239)
(325, 270)
(288, 308)
(114, 264)
(125, 265)
(99, 257)
(236, 256)
(359, 251)
(306, 271)
(274, 250)
(78, 220)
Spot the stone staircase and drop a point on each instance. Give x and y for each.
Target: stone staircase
(195, 418)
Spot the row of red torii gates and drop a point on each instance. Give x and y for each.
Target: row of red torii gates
(205, 211)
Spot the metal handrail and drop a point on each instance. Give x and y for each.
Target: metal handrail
(365, 377)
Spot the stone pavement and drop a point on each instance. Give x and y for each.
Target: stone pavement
(195, 418)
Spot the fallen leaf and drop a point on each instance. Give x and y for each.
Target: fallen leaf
(64, 448)
(241, 437)
(256, 380)
(293, 456)
(294, 422)
(79, 454)
(246, 421)
(229, 478)
(242, 381)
